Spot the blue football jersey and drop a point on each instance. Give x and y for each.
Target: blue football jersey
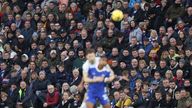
(96, 90)
(93, 71)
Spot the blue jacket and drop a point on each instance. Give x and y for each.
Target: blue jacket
(132, 82)
(132, 2)
(27, 33)
(147, 48)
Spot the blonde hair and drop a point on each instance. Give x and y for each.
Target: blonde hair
(142, 62)
(152, 51)
(169, 72)
(163, 54)
(153, 33)
(7, 10)
(6, 46)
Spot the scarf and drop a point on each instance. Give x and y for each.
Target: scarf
(21, 94)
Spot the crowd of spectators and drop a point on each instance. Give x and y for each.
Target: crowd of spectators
(43, 45)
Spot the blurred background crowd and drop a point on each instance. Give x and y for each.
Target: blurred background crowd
(43, 45)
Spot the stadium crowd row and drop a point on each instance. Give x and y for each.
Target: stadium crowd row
(43, 45)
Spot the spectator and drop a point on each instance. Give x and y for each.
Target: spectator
(158, 101)
(43, 42)
(12, 93)
(76, 102)
(160, 14)
(116, 96)
(65, 87)
(133, 78)
(173, 12)
(138, 13)
(65, 100)
(179, 78)
(124, 101)
(52, 75)
(29, 10)
(162, 67)
(41, 84)
(134, 44)
(186, 18)
(109, 41)
(169, 101)
(62, 75)
(27, 31)
(76, 79)
(146, 76)
(188, 40)
(187, 86)
(78, 62)
(147, 46)
(117, 86)
(25, 96)
(136, 31)
(145, 99)
(4, 71)
(52, 97)
(185, 100)
(5, 101)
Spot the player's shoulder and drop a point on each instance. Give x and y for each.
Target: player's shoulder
(86, 66)
(86, 63)
(107, 68)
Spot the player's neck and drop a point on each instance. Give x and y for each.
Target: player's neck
(92, 62)
(100, 67)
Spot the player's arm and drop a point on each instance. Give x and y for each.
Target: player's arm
(87, 79)
(91, 80)
(112, 76)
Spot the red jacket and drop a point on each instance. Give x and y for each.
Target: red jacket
(52, 100)
(1, 15)
(179, 82)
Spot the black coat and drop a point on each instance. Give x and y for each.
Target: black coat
(41, 85)
(7, 103)
(138, 15)
(62, 77)
(13, 95)
(26, 98)
(76, 81)
(116, 70)
(64, 104)
(68, 65)
(4, 73)
(75, 104)
(53, 78)
(169, 104)
(162, 71)
(144, 103)
(160, 16)
(157, 104)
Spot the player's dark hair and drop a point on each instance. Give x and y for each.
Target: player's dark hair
(89, 51)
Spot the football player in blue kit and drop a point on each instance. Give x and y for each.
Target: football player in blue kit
(97, 73)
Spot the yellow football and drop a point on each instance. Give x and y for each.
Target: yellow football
(117, 15)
